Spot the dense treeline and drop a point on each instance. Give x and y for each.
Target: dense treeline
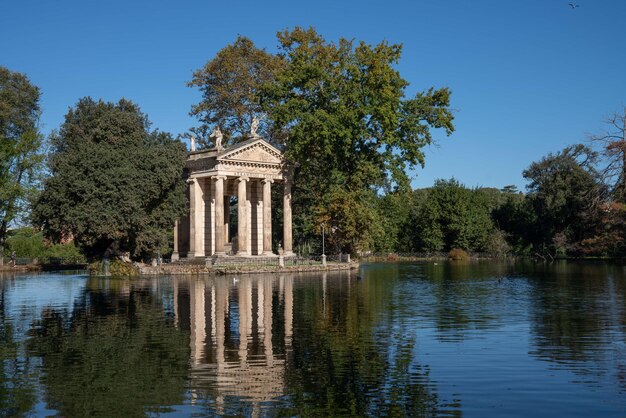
(569, 209)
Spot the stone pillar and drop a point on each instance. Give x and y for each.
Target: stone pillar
(192, 218)
(199, 219)
(175, 255)
(287, 239)
(267, 216)
(218, 222)
(242, 217)
(226, 219)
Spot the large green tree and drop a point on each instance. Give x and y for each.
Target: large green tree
(115, 185)
(453, 216)
(351, 128)
(230, 85)
(566, 194)
(20, 147)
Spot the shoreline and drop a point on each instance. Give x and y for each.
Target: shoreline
(239, 269)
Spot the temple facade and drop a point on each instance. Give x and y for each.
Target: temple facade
(246, 172)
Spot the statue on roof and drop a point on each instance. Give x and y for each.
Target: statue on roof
(219, 136)
(254, 127)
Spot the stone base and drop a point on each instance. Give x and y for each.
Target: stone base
(175, 257)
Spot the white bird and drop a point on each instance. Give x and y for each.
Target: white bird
(235, 280)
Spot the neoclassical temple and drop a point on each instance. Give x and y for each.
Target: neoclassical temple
(248, 171)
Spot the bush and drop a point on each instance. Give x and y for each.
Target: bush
(458, 254)
(27, 242)
(117, 268)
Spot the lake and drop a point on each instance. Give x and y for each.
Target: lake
(478, 339)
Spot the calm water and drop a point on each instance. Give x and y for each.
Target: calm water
(480, 340)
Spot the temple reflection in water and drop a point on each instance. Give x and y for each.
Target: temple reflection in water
(240, 334)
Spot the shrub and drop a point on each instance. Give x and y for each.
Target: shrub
(458, 254)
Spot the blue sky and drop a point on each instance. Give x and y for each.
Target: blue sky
(527, 77)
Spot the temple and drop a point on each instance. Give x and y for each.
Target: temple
(245, 172)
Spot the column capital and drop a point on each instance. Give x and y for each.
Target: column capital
(266, 180)
(219, 177)
(243, 178)
(192, 180)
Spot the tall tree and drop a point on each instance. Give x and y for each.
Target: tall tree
(350, 126)
(20, 146)
(115, 184)
(565, 192)
(613, 144)
(230, 85)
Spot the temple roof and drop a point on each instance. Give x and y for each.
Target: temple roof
(253, 156)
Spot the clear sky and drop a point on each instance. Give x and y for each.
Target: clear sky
(527, 77)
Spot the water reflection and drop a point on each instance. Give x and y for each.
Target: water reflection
(443, 339)
(115, 354)
(234, 329)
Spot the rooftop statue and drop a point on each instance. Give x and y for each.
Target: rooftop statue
(254, 127)
(219, 136)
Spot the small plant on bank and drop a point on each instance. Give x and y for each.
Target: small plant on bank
(458, 254)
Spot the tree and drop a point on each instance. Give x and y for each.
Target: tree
(116, 186)
(349, 123)
(20, 147)
(565, 193)
(613, 144)
(453, 216)
(230, 85)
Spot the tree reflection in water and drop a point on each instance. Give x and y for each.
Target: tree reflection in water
(408, 340)
(579, 318)
(17, 390)
(115, 354)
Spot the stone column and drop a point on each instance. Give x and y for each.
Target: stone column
(192, 218)
(287, 240)
(242, 217)
(175, 255)
(199, 224)
(218, 222)
(267, 216)
(226, 218)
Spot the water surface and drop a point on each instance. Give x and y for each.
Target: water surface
(403, 339)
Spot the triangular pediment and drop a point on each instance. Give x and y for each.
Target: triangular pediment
(257, 151)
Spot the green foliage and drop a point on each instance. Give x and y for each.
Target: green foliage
(115, 186)
(26, 242)
(453, 216)
(20, 147)
(117, 268)
(350, 128)
(564, 193)
(394, 211)
(230, 85)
